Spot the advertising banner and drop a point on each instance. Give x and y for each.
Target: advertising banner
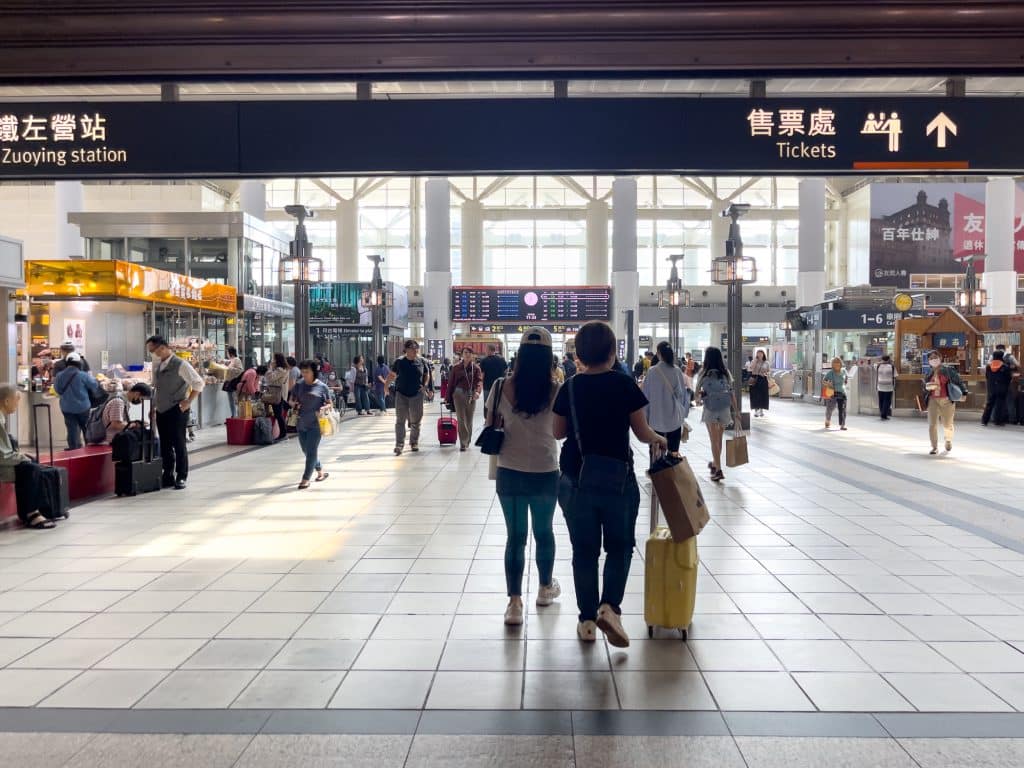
(925, 228)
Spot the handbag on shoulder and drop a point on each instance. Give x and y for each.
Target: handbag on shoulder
(493, 435)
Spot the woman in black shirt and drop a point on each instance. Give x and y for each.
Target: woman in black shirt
(607, 405)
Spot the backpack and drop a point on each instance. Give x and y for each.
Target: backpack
(95, 428)
(717, 392)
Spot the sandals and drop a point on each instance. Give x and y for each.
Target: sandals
(320, 478)
(304, 485)
(39, 522)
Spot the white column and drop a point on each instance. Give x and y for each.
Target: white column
(472, 243)
(68, 197)
(625, 278)
(346, 241)
(810, 281)
(252, 199)
(597, 242)
(438, 251)
(1000, 278)
(715, 331)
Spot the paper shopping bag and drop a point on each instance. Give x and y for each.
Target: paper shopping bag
(679, 497)
(736, 451)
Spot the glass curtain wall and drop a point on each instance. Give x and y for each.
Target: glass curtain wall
(534, 227)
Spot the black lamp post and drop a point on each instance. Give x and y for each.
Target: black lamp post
(674, 296)
(734, 270)
(378, 299)
(301, 270)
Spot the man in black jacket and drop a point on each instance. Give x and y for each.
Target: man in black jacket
(997, 381)
(494, 367)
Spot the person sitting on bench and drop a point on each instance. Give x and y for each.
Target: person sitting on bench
(11, 457)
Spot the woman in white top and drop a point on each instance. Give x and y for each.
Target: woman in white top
(760, 371)
(886, 377)
(668, 398)
(527, 481)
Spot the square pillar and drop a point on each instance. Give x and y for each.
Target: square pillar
(625, 278)
(810, 283)
(1000, 277)
(437, 284)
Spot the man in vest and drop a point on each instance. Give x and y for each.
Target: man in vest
(176, 385)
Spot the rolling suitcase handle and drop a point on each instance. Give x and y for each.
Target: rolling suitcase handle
(35, 430)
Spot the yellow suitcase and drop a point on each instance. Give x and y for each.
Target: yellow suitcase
(670, 579)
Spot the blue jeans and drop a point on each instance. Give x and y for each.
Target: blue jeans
(590, 518)
(75, 424)
(232, 404)
(362, 399)
(309, 441)
(522, 494)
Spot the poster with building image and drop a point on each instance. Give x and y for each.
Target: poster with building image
(924, 229)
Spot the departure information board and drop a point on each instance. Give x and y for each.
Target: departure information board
(519, 304)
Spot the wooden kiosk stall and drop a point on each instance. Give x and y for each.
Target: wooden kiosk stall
(964, 342)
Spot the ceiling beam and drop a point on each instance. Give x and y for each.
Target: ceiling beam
(742, 188)
(328, 189)
(571, 184)
(493, 187)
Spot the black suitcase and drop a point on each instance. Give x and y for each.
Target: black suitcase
(49, 490)
(142, 476)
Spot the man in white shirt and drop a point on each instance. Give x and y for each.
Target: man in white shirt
(176, 384)
(885, 374)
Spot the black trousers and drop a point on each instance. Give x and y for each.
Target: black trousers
(282, 421)
(885, 404)
(674, 438)
(172, 425)
(995, 408)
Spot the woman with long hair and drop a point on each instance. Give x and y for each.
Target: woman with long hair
(714, 387)
(760, 370)
(598, 491)
(276, 385)
(527, 481)
(668, 399)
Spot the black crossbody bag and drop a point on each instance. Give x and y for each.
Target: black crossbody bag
(491, 438)
(598, 474)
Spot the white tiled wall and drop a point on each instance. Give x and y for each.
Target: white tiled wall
(28, 213)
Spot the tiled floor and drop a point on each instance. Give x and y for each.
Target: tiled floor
(842, 572)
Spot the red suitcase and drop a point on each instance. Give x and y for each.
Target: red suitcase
(447, 430)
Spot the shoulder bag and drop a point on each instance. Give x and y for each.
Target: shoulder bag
(493, 435)
(678, 394)
(598, 474)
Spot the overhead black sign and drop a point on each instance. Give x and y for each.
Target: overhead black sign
(529, 304)
(466, 136)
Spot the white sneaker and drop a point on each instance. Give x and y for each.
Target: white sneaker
(609, 622)
(587, 631)
(546, 595)
(514, 614)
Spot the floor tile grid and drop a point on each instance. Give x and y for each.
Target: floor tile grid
(1015, 649)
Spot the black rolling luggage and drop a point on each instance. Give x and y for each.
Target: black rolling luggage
(142, 475)
(42, 487)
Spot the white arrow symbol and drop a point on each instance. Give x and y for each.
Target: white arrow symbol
(941, 123)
